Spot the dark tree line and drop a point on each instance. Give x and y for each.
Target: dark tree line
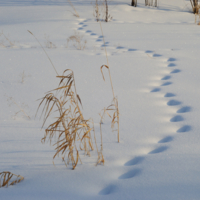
(194, 3)
(147, 3)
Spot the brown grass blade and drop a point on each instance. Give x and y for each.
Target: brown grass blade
(7, 176)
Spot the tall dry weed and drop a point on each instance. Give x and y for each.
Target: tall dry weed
(112, 110)
(75, 12)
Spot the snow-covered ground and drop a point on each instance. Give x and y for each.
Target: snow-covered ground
(154, 61)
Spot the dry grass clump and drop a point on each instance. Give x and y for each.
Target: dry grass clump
(77, 40)
(6, 179)
(70, 128)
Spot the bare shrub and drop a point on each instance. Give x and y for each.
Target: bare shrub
(77, 41)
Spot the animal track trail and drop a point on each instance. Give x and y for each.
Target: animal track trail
(172, 102)
(132, 165)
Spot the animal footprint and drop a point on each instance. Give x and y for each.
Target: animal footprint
(175, 71)
(169, 95)
(157, 55)
(173, 103)
(131, 174)
(166, 78)
(171, 59)
(120, 47)
(155, 90)
(134, 161)
(171, 65)
(183, 129)
(158, 150)
(149, 51)
(166, 83)
(108, 190)
(166, 139)
(184, 109)
(93, 34)
(177, 118)
(132, 49)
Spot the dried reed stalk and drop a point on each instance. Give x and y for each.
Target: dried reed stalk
(5, 179)
(114, 105)
(100, 159)
(44, 51)
(76, 13)
(195, 6)
(70, 128)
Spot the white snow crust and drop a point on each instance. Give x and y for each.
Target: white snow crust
(154, 60)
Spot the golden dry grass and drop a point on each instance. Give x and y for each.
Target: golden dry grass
(71, 130)
(6, 179)
(112, 110)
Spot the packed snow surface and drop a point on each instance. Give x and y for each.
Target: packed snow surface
(153, 56)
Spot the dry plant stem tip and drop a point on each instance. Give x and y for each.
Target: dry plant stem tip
(18, 106)
(76, 13)
(5, 179)
(115, 100)
(44, 51)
